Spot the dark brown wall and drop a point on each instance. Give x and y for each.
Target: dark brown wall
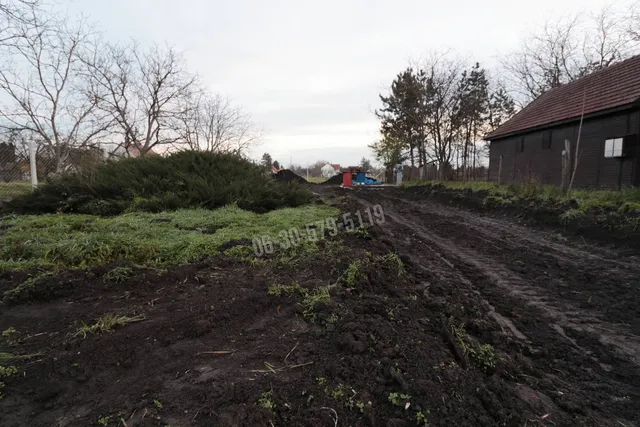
(545, 165)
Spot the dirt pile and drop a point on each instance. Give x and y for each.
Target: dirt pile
(334, 180)
(286, 175)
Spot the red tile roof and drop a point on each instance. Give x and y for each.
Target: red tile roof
(612, 87)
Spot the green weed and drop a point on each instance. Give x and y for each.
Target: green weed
(118, 274)
(7, 333)
(266, 401)
(390, 315)
(422, 417)
(338, 392)
(6, 372)
(157, 404)
(481, 356)
(572, 215)
(24, 289)
(7, 357)
(319, 295)
(106, 323)
(629, 207)
(393, 261)
(398, 399)
(352, 274)
(279, 290)
(361, 232)
(104, 421)
(332, 319)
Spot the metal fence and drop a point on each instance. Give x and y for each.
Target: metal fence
(24, 164)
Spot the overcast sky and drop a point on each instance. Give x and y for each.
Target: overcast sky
(309, 72)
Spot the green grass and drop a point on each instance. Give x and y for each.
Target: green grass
(169, 238)
(107, 323)
(9, 190)
(627, 198)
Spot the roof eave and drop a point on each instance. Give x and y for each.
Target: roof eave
(632, 105)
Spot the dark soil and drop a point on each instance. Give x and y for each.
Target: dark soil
(216, 350)
(286, 175)
(334, 180)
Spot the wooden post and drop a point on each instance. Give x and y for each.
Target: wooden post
(500, 170)
(566, 165)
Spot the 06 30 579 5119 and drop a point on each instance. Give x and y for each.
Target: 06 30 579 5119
(314, 231)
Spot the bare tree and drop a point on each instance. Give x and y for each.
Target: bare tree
(14, 16)
(145, 92)
(566, 49)
(46, 92)
(212, 123)
(633, 23)
(441, 104)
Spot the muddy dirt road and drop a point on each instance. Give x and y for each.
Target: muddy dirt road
(572, 308)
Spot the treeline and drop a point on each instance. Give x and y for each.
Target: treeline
(64, 88)
(438, 110)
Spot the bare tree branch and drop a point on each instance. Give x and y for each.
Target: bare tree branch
(44, 82)
(144, 92)
(211, 123)
(567, 49)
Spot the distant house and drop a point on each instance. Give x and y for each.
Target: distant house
(330, 170)
(530, 145)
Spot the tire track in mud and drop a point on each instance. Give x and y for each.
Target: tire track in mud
(577, 348)
(502, 276)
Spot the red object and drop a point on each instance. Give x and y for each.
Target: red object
(278, 309)
(611, 87)
(346, 179)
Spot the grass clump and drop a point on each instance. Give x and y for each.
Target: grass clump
(310, 298)
(6, 372)
(24, 289)
(572, 215)
(393, 261)
(279, 290)
(118, 274)
(161, 183)
(352, 274)
(107, 323)
(319, 295)
(481, 356)
(625, 199)
(182, 236)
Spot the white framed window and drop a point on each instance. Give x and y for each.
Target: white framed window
(613, 147)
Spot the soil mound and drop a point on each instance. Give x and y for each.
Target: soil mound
(334, 180)
(286, 175)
